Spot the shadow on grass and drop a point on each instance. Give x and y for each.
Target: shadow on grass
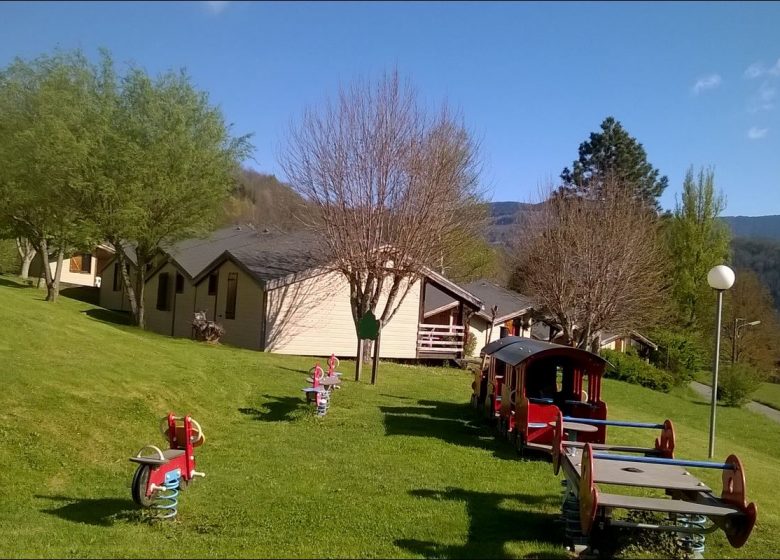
(11, 284)
(492, 524)
(276, 409)
(450, 422)
(87, 294)
(102, 512)
(111, 317)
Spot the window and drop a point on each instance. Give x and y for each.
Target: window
(230, 305)
(213, 281)
(81, 263)
(179, 283)
(117, 280)
(162, 291)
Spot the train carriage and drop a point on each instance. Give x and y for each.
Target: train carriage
(525, 384)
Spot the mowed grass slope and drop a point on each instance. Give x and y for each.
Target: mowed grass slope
(402, 469)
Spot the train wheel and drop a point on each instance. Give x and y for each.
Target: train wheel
(139, 484)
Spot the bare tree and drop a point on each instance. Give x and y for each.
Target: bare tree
(593, 263)
(393, 187)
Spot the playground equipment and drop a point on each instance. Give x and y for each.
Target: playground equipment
(662, 447)
(159, 477)
(322, 385)
(527, 382)
(691, 505)
(535, 392)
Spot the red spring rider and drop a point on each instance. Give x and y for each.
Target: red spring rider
(159, 476)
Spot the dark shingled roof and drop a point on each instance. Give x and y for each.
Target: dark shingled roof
(275, 255)
(509, 303)
(193, 255)
(514, 350)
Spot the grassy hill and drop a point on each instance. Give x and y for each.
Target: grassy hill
(396, 470)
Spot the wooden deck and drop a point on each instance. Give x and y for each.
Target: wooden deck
(444, 342)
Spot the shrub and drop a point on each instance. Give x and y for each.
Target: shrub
(633, 369)
(737, 383)
(680, 353)
(471, 345)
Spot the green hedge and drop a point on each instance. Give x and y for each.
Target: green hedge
(630, 367)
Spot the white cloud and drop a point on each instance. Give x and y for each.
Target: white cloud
(707, 82)
(764, 98)
(756, 133)
(217, 6)
(757, 70)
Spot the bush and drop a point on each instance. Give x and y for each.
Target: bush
(470, 346)
(737, 383)
(680, 353)
(630, 367)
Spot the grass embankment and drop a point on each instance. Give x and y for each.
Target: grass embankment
(399, 469)
(767, 393)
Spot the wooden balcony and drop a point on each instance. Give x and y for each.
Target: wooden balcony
(440, 341)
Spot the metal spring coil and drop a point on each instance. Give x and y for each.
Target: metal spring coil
(167, 500)
(692, 542)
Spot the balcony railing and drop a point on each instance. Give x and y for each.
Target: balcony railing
(440, 339)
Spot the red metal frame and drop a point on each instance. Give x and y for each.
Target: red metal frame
(179, 437)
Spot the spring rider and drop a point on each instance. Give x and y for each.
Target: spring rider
(159, 476)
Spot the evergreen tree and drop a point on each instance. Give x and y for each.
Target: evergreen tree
(613, 152)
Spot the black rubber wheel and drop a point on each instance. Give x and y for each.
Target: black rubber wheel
(139, 484)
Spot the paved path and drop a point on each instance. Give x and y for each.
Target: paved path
(769, 412)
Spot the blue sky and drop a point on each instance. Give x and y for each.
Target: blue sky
(697, 83)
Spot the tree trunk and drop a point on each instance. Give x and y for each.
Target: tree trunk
(55, 289)
(43, 249)
(139, 294)
(367, 345)
(27, 254)
(122, 258)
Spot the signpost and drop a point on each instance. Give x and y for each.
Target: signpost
(368, 328)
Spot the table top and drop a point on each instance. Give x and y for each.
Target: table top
(629, 473)
(576, 427)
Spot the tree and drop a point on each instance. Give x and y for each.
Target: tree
(265, 202)
(166, 164)
(748, 301)
(394, 188)
(614, 152)
(593, 264)
(46, 149)
(697, 240)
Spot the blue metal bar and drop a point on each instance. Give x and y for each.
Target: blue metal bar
(596, 422)
(660, 461)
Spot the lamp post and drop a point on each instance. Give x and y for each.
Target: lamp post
(735, 333)
(720, 278)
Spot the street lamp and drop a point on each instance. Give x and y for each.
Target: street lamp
(735, 333)
(720, 278)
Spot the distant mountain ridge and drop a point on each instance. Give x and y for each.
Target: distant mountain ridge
(504, 216)
(756, 227)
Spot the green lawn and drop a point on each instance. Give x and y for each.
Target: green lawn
(397, 470)
(768, 394)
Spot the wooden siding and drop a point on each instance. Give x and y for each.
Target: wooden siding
(177, 320)
(313, 317)
(246, 328)
(110, 299)
(66, 276)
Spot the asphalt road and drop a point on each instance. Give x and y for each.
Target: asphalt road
(769, 412)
